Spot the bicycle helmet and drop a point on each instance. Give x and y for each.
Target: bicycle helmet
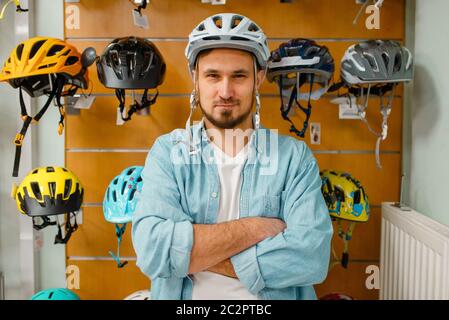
(228, 30)
(120, 201)
(293, 64)
(55, 294)
(49, 191)
(131, 63)
(32, 61)
(377, 61)
(44, 66)
(346, 199)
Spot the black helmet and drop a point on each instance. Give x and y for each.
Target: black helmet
(294, 64)
(131, 63)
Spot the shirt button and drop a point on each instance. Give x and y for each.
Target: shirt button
(214, 194)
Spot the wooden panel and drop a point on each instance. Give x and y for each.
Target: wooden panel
(337, 134)
(96, 170)
(96, 237)
(365, 244)
(303, 18)
(380, 185)
(349, 281)
(96, 128)
(102, 280)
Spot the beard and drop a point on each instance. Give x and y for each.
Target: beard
(225, 120)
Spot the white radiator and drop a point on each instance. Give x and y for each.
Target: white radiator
(414, 256)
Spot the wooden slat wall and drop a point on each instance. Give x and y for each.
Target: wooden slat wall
(97, 149)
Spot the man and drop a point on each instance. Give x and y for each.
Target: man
(230, 210)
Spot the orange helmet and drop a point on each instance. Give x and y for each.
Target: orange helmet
(45, 66)
(33, 60)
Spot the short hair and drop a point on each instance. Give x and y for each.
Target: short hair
(207, 51)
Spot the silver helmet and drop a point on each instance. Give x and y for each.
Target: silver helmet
(377, 61)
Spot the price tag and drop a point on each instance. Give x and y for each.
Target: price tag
(84, 102)
(140, 20)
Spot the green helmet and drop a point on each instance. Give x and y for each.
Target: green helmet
(55, 294)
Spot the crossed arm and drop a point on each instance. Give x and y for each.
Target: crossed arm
(213, 245)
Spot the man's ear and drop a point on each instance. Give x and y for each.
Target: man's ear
(260, 78)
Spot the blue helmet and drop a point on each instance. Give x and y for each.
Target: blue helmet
(55, 294)
(120, 198)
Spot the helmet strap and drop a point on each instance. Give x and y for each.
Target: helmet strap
(27, 120)
(69, 229)
(194, 101)
(119, 231)
(45, 223)
(145, 102)
(257, 96)
(286, 108)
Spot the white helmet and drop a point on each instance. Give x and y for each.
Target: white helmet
(140, 295)
(228, 30)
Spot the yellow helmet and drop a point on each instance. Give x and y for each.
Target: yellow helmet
(344, 195)
(49, 191)
(32, 61)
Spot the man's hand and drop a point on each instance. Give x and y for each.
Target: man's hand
(225, 268)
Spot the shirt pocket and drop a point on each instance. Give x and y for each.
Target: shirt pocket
(271, 206)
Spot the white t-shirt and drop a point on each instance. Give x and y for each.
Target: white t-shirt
(212, 286)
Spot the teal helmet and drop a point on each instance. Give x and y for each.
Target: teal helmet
(120, 197)
(55, 294)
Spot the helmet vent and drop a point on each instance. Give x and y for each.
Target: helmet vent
(52, 189)
(36, 190)
(218, 22)
(36, 48)
(115, 180)
(54, 50)
(123, 188)
(71, 60)
(64, 169)
(130, 171)
(357, 196)
(201, 27)
(50, 169)
(19, 51)
(239, 38)
(46, 66)
(51, 295)
(131, 195)
(385, 58)
(114, 196)
(139, 179)
(397, 62)
(212, 38)
(235, 21)
(67, 187)
(253, 28)
(35, 171)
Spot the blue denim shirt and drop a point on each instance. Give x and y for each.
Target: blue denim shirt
(280, 179)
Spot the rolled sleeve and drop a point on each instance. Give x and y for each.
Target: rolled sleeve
(300, 255)
(247, 269)
(162, 232)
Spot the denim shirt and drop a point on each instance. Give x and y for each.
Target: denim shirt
(181, 187)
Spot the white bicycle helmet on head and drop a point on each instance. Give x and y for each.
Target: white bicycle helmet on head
(228, 30)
